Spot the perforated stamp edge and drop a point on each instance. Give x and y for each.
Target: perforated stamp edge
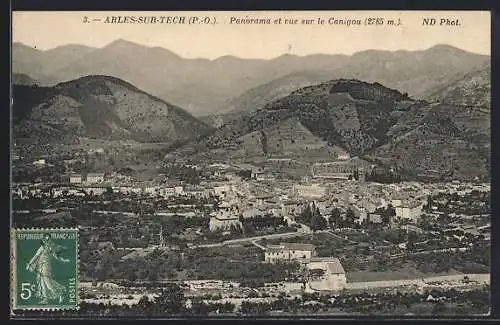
(14, 311)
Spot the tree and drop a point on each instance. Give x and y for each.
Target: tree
(316, 273)
(410, 244)
(305, 216)
(350, 216)
(439, 308)
(171, 300)
(335, 216)
(391, 212)
(318, 222)
(144, 305)
(430, 203)
(109, 193)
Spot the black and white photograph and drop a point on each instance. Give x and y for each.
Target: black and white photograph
(255, 163)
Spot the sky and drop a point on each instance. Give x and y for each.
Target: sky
(46, 30)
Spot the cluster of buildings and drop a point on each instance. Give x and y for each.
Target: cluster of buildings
(331, 185)
(344, 168)
(333, 277)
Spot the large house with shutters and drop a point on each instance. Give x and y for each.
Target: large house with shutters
(289, 252)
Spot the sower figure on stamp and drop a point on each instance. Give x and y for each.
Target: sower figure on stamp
(46, 287)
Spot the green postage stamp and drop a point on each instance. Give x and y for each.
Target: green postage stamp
(44, 266)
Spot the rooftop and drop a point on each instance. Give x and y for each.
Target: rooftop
(335, 267)
(274, 249)
(95, 174)
(298, 246)
(410, 205)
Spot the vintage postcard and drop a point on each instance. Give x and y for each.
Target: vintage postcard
(251, 164)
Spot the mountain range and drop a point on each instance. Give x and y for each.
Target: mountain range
(206, 87)
(418, 110)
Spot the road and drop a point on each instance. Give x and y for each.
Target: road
(259, 245)
(452, 279)
(452, 249)
(331, 233)
(132, 214)
(251, 239)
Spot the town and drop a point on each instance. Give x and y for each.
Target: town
(269, 238)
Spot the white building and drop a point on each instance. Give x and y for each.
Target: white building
(222, 190)
(312, 191)
(250, 212)
(220, 222)
(396, 203)
(289, 252)
(343, 156)
(96, 151)
(151, 190)
(179, 190)
(75, 179)
(95, 178)
(375, 218)
(39, 162)
(291, 208)
(334, 276)
(94, 190)
(225, 218)
(122, 189)
(168, 191)
(409, 212)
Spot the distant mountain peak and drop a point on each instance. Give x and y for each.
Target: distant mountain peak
(73, 46)
(225, 57)
(126, 46)
(445, 47)
(20, 45)
(98, 78)
(287, 56)
(122, 41)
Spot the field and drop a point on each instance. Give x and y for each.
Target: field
(428, 309)
(419, 309)
(405, 273)
(238, 263)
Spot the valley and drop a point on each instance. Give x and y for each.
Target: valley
(326, 183)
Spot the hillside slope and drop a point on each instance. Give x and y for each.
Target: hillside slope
(268, 92)
(101, 107)
(363, 119)
(445, 138)
(473, 89)
(23, 80)
(349, 113)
